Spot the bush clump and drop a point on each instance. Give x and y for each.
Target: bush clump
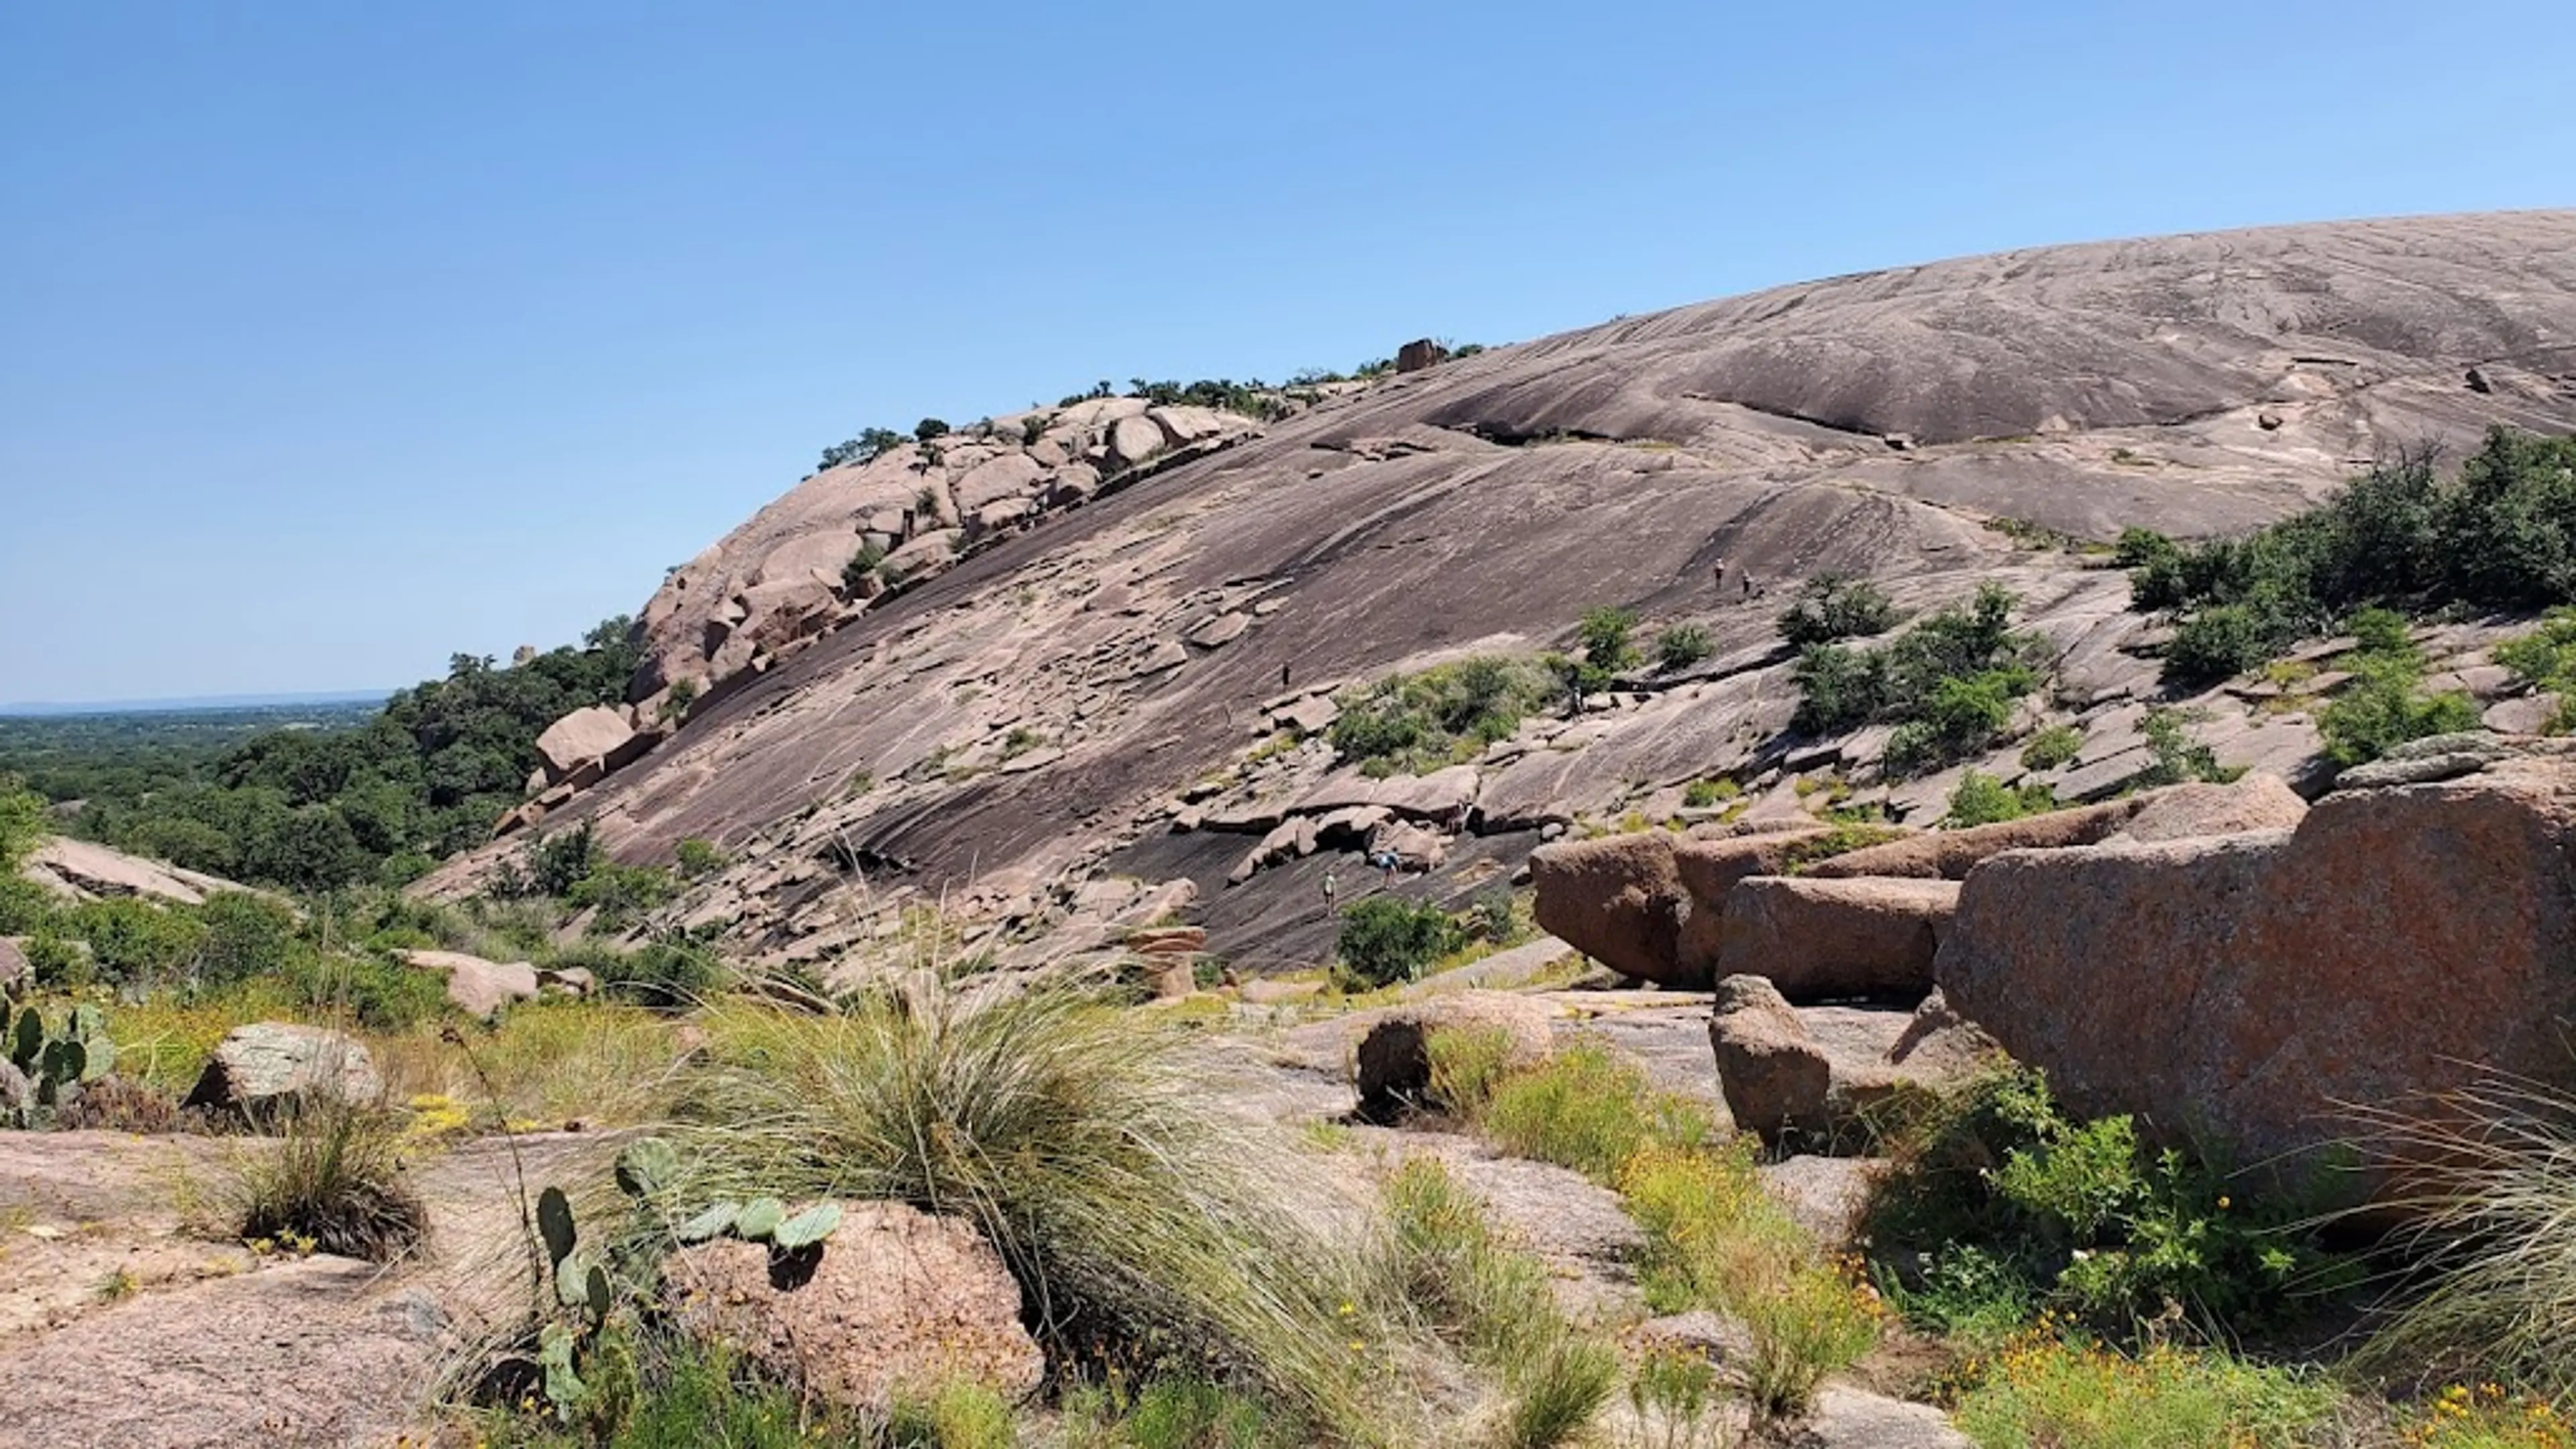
(1682, 646)
(2501, 535)
(1999, 1203)
(1981, 799)
(1415, 722)
(1832, 607)
(1948, 684)
(1386, 939)
(2545, 659)
(2384, 705)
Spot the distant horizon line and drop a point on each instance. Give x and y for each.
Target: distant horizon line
(181, 703)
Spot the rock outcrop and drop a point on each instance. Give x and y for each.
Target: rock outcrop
(2252, 989)
(1096, 689)
(894, 1303)
(475, 986)
(82, 870)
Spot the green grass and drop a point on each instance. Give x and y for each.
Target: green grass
(1586, 1108)
(2492, 1173)
(959, 1414)
(1492, 1300)
(2048, 1393)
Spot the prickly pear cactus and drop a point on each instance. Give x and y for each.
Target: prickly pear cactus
(807, 1228)
(648, 1167)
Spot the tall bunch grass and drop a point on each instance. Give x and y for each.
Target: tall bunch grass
(332, 1182)
(2491, 1175)
(1141, 1222)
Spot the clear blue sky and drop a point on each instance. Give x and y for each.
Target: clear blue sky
(337, 338)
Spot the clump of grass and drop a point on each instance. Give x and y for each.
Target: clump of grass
(2044, 1392)
(1193, 1413)
(1586, 1108)
(1494, 1302)
(1715, 1239)
(688, 1394)
(1142, 1226)
(333, 1177)
(959, 1414)
(1671, 1393)
(546, 1061)
(2491, 1174)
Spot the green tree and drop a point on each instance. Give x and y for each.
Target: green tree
(1607, 635)
(1386, 939)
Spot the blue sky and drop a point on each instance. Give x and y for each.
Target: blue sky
(335, 339)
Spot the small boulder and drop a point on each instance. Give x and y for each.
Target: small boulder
(269, 1064)
(1775, 1078)
(891, 1305)
(1825, 939)
(1392, 1062)
(14, 967)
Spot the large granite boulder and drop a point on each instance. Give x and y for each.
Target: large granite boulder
(1618, 899)
(1709, 870)
(1820, 940)
(893, 1304)
(2251, 989)
(588, 743)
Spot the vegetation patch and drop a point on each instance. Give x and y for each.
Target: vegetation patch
(2545, 659)
(1999, 1204)
(2384, 705)
(1981, 799)
(1832, 607)
(1409, 724)
(1948, 683)
(1387, 939)
(2044, 1391)
(2500, 535)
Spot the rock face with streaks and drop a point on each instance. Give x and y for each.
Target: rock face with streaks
(1113, 629)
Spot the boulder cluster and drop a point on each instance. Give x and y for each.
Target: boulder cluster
(2228, 964)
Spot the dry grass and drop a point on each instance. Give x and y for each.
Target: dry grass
(331, 1182)
(548, 1061)
(1142, 1223)
(2493, 1232)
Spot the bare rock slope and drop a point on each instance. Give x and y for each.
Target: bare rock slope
(1062, 706)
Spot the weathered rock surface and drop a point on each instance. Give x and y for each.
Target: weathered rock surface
(478, 987)
(2184, 812)
(2250, 988)
(896, 1302)
(85, 870)
(1821, 939)
(1391, 526)
(1951, 854)
(269, 1064)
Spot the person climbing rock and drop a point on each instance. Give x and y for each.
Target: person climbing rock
(1330, 890)
(1283, 676)
(1718, 575)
